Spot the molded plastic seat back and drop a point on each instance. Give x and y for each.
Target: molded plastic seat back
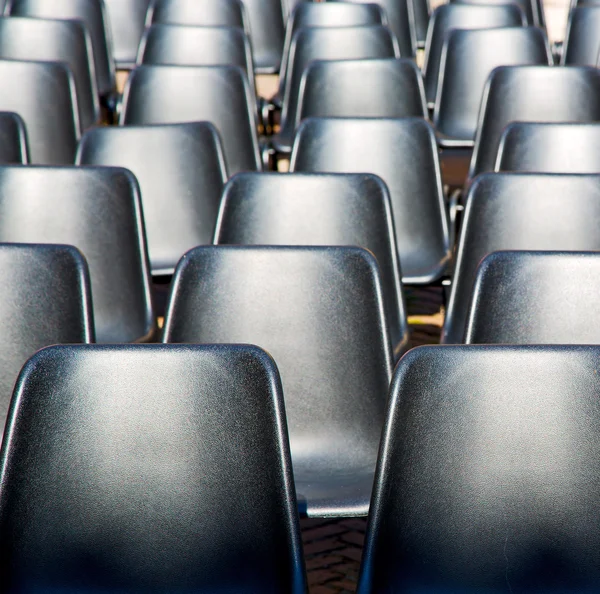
(13, 139)
(533, 9)
(318, 209)
(550, 148)
(137, 441)
(458, 16)
(98, 211)
(535, 298)
(488, 477)
(534, 94)
(319, 312)
(217, 94)
(45, 299)
(582, 41)
(403, 152)
(520, 212)
(181, 172)
(93, 14)
(208, 13)
(126, 18)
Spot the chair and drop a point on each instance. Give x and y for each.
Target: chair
(404, 154)
(468, 59)
(55, 41)
(344, 88)
(533, 9)
(522, 297)
(421, 13)
(488, 474)
(326, 43)
(582, 40)
(93, 15)
(119, 473)
(13, 139)
(126, 18)
(447, 17)
(45, 299)
(181, 172)
(550, 148)
(319, 312)
(520, 211)
(98, 210)
(532, 93)
(218, 94)
(289, 6)
(318, 209)
(208, 13)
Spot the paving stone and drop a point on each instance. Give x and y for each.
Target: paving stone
(320, 546)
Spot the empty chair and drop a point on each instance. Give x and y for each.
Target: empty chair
(468, 58)
(181, 172)
(533, 9)
(325, 43)
(208, 13)
(217, 94)
(45, 299)
(13, 139)
(488, 476)
(319, 312)
(550, 148)
(457, 16)
(345, 89)
(142, 452)
(126, 18)
(318, 209)
(93, 15)
(55, 41)
(582, 41)
(403, 153)
(98, 210)
(421, 13)
(535, 94)
(524, 297)
(520, 211)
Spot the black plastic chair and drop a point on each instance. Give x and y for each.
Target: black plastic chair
(535, 94)
(533, 9)
(93, 14)
(98, 210)
(550, 148)
(582, 40)
(524, 297)
(318, 209)
(319, 312)
(55, 41)
(326, 43)
(45, 299)
(345, 89)
(447, 17)
(126, 18)
(218, 94)
(13, 139)
(208, 13)
(422, 14)
(181, 172)
(174, 460)
(488, 474)
(520, 211)
(403, 152)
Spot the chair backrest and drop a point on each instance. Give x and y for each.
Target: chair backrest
(533, 9)
(345, 89)
(98, 211)
(522, 297)
(468, 59)
(488, 476)
(217, 94)
(140, 449)
(447, 17)
(126, 18)
(319, 312)
(421, 14)
(403, 152)
(520, 211)
(208, 13)
(13, 139)
(550, 148)
(45, 299)
(93, 14)
(582, 40)
(318, 209)
(55, 41)
(181, 172)
(289, 6)
(535, 94)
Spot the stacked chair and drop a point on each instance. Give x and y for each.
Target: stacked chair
(214, 218)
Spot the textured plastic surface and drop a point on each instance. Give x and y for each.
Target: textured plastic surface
(533, 9)
(13, 139)
(173, 459)
(319, 313)
(208, 13)
(98, 211)
(404, 154)
(126, 18)
(582, 40)
(520, 211)
(217, 94)
(535, 94)
(181, 172)
(488, 476)
(318, 209)
(421, 14)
